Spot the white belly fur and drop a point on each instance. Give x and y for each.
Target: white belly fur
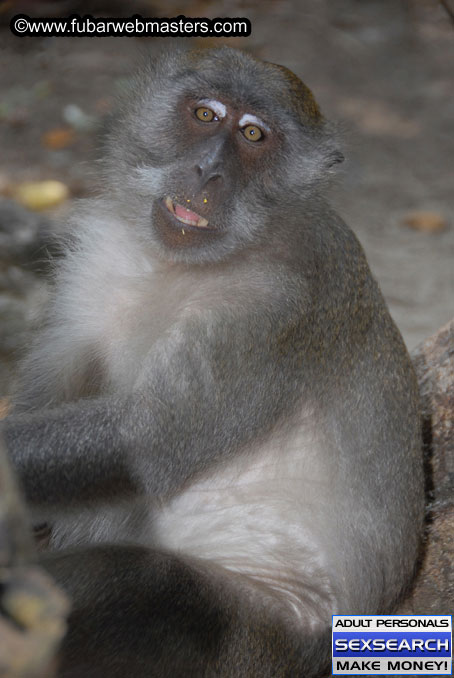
(264, 516)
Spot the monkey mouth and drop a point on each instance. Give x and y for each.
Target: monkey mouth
(184, 215)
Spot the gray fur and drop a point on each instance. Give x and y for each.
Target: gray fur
(236, 404)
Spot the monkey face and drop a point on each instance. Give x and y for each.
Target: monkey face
(212, 149)
(225, 147)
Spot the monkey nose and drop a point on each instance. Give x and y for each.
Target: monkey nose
(207, 175)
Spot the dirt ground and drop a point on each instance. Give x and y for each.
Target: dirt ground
(382, 68)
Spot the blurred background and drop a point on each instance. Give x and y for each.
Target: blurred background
(383, 69)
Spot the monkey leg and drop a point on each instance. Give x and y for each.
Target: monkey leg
(143, 613)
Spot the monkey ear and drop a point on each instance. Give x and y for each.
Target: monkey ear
(334, 158)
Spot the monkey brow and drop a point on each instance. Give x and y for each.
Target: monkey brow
(249, 119)
(218, 107)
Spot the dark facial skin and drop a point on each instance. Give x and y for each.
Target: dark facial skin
(219, 144)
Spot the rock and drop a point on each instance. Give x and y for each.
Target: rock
(433, 592)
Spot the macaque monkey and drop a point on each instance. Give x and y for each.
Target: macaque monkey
(219, 420)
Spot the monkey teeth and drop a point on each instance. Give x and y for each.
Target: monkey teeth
(184, 215)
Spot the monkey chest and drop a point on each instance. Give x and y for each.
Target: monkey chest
(131, 320)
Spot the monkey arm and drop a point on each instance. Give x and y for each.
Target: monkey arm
(66, 454)
(205, 392)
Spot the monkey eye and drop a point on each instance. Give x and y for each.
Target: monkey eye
(252, 133)
(206, 114)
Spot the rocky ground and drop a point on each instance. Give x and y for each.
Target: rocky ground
(381, 68)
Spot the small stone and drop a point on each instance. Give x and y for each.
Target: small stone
(428, 222)
(41, 195)
(78, 119)
(57, 138)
